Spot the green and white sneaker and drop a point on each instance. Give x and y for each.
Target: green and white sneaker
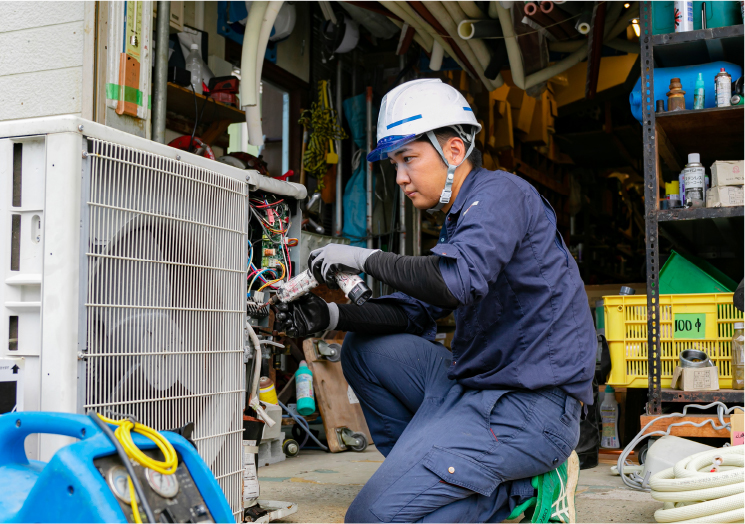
(565, 479)
(554, 500)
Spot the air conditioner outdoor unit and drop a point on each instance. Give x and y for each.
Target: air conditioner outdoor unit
(124, 267)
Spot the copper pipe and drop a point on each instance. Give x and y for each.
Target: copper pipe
(547, 7)
(530, 8)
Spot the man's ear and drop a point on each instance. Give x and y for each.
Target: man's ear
(456, 149)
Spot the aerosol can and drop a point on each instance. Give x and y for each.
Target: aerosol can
(352, 285)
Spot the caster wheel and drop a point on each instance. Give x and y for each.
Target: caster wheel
(291, 448)
(336, 355)
(362, 439)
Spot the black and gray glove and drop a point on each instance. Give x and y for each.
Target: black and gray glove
(324, 262)
(307, 315)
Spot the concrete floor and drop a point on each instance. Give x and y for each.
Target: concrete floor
(324, 485)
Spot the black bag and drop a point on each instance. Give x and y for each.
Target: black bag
(588, 447)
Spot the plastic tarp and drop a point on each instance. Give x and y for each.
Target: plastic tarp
(355, 197)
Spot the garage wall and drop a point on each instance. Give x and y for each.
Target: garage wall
(42, 70)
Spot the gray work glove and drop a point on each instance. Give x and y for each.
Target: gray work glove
(332, 258)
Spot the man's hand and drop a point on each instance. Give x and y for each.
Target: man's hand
(302, 317)
(324, 262)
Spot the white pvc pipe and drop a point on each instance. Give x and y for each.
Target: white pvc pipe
(414, 16)
(478, 47)
(413, 21)
(253, 113)
(417, 37)
(339, 187)
(440, 12)
(435, 63)
(515, 56)
(247, 88)
(471, 9)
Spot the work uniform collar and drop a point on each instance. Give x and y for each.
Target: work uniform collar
(463, 192)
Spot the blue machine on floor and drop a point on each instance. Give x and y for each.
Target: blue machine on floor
(86, 481)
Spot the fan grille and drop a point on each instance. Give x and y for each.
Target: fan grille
(165, 303)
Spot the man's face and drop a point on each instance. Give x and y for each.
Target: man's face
(420, 171)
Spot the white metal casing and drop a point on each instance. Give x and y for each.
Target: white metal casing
(50, 289)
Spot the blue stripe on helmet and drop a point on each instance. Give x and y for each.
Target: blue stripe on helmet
(468, 109)
(394, 124)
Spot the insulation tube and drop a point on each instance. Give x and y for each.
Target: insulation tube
(248, 92)
(483, 56)
(253, 113)
(413, 15)
(160, 78)
(435, 62)
(417, 37)
(493, 10)
(613, 27)
(479, 60)
(471, 9)
(413, 21)
(469, 29)
(583, 23)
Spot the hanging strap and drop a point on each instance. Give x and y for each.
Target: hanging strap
(447, 191)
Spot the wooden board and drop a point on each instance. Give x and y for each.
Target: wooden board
(687, 431)
(333, 398)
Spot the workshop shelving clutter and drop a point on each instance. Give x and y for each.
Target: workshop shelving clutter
(717, 134)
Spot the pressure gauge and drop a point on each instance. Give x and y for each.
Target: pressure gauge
(164, 485)
(117, 478)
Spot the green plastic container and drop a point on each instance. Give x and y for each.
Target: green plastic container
(684, 274)
(718, 14)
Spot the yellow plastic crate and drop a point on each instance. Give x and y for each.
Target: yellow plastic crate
(701, 321)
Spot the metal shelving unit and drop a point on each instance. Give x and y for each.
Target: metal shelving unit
(681, 130)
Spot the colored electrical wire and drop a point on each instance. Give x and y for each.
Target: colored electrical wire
(284, 272)
(256, 276)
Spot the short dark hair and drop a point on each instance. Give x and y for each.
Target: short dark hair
(444, 134)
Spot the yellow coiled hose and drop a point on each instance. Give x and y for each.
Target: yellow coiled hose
(123, 434)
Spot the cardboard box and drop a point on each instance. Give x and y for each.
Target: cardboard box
(737, 419)
(696, 379)
(724, 196)
(728, 173)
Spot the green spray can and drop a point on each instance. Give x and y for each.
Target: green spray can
(699, 93)
(306, 403)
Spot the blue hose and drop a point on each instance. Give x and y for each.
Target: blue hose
(303, 424)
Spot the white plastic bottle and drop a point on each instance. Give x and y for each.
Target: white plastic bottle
(609, 412)
(194, 66)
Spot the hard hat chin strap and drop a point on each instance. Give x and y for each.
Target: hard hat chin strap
(447, 191)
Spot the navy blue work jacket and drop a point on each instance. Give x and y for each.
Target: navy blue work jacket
(524, 321)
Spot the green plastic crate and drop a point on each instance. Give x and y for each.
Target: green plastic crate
(686, 274)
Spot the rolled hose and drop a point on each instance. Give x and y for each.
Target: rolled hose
(705, 487)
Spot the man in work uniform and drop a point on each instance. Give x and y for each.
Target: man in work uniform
(486, 432)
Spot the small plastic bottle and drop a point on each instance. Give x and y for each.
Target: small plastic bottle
(609, 412)
(194, 66)
(306, 403)
(699, 93)
(738, 357)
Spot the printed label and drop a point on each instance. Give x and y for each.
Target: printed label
(689, 326)
(250, 478)
(304, 387)
(702, 379)
(351, 396)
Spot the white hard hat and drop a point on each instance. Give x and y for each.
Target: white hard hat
(419, 107)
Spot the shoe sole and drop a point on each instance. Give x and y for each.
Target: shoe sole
(572, 481)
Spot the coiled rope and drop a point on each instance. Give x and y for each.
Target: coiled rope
(325, 126)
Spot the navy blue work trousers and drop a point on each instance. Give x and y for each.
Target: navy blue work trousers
(452, 454)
